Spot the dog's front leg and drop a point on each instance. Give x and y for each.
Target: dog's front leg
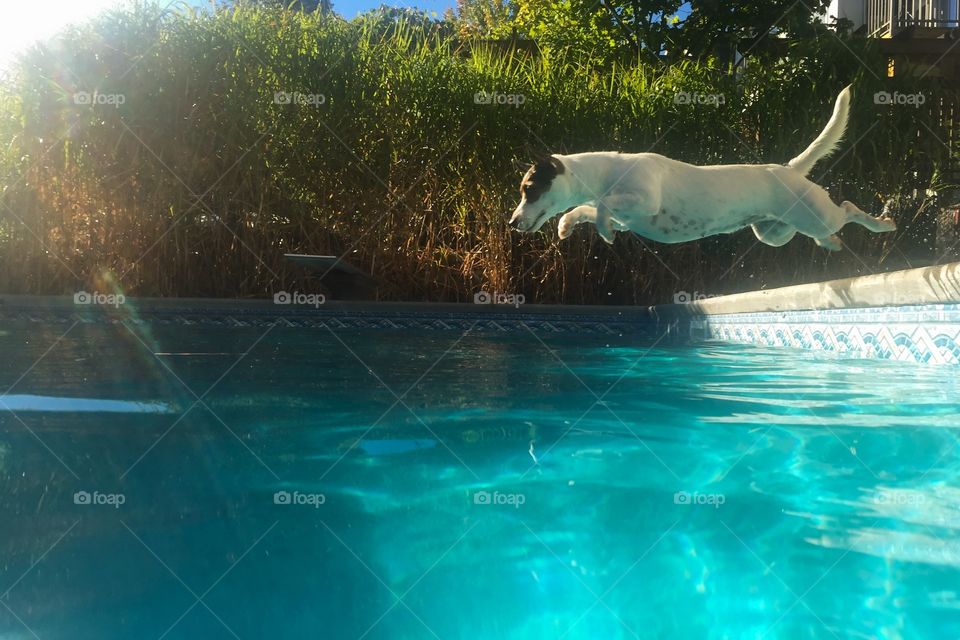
(604, 222)
(583, 213)
(614, 212)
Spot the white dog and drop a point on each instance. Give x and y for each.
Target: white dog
(671, 201)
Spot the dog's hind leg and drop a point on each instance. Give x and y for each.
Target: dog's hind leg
(815, 215)
(856, 214)
(773, 233)
(583, 213)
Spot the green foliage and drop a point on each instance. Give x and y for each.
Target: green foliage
(484, 18)
(205, 174)
(650, 29)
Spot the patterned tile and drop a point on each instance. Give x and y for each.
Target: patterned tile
(373, 320)
(925, 334)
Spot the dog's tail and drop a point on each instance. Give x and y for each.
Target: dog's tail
(826, 143)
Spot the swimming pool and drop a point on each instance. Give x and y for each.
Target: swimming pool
(271, 480)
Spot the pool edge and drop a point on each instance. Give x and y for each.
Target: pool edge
(910, 315)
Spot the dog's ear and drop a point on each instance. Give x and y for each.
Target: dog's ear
(542, 158)
(521, 165)
(548, 159)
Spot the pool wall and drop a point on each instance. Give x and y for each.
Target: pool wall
(911, 315)
(538, 319)
(928, 334)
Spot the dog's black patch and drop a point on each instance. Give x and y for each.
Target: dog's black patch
(539, 178)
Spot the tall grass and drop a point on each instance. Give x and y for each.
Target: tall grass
(199, 181)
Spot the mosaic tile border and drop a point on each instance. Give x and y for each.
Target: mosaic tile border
(541, 323)
(928, 334)
(920, 333)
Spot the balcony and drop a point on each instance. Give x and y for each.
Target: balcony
(889, 18)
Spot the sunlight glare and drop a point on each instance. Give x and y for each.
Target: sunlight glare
(23, 23)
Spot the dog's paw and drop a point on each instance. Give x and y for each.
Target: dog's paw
(565, 227)
(831, 243)
(888, 223)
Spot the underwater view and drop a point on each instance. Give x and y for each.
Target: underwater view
(290, 483)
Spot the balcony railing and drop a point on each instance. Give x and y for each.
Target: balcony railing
(886, 18)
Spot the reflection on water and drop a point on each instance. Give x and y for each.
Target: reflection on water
(19, 403)
(398, 485)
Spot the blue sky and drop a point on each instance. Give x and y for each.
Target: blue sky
(22, 23)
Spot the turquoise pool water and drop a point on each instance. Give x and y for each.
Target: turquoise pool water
(216, 482)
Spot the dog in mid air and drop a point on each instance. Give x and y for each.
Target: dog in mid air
(671, 201)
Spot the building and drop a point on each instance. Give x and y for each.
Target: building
(920, 35)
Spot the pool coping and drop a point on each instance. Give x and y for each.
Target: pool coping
(936, 285)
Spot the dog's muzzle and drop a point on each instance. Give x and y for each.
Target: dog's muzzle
(516, 222)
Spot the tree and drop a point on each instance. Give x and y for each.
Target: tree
(652, 29)
(487, 18)
(307, 6)
(719, 28)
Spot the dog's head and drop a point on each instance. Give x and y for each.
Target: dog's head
(544, 193)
